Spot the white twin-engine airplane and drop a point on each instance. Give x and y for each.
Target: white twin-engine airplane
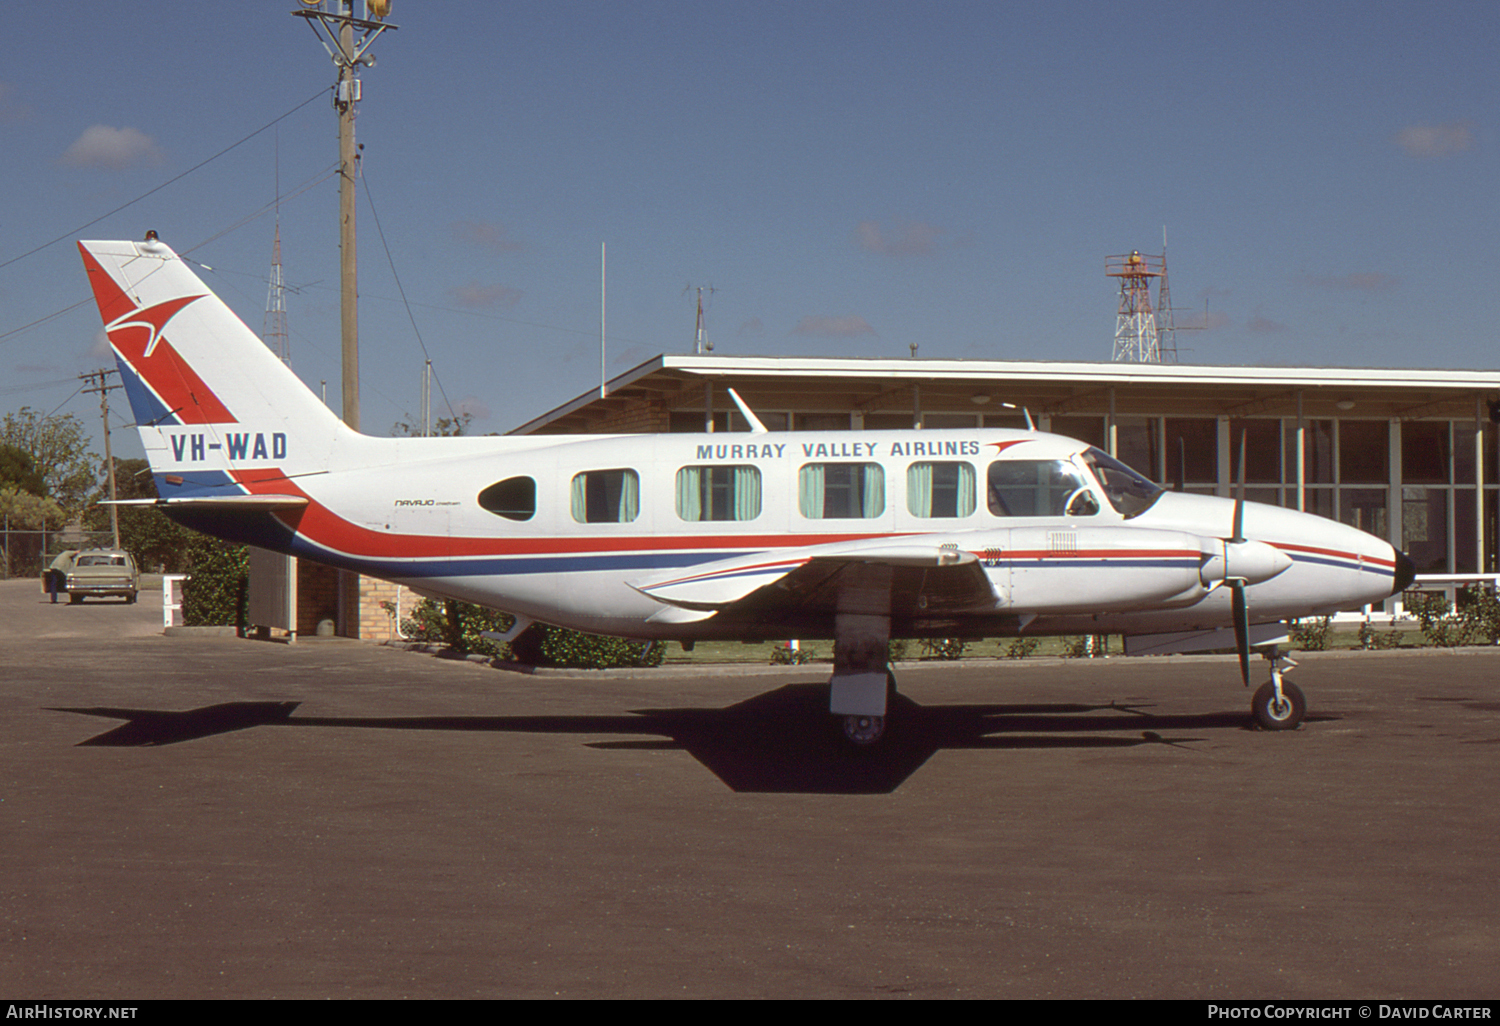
(858, 536)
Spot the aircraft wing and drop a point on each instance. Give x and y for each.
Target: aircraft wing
(916, 576)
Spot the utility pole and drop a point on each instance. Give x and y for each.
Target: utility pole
(335, 25)
(109, 460)
(335, 20)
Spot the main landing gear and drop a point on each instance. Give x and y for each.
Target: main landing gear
(862, 729)
(1278, 703)
(862, 680)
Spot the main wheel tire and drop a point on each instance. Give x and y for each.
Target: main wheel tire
(1285, 715)
(864, 730)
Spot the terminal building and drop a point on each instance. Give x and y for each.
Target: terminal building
(1409, 455)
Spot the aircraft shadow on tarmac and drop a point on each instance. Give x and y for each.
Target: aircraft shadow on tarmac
(780, 741)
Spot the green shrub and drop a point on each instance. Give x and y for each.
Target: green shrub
(545, 645)
(786, 655)
(943, 648)
(1476, 621)
(1310, 634)
(217, 589)
(1370, 638)
(459, 625)
(1020, 648)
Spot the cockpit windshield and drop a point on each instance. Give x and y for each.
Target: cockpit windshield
(1127, 491)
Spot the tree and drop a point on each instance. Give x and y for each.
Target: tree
(59, 450)
(28, 512)
(145, 532)
(447, 427)
(18, 471)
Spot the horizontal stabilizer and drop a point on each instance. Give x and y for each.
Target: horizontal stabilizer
(258, 503)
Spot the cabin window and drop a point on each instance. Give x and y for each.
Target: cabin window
(1039, 488)
(841, 491)
(606, 497)
(940, 489)
(514, 498)
(718, 493)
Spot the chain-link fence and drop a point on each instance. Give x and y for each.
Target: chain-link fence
(27, 553)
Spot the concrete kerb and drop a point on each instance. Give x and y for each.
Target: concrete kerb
(679, 670)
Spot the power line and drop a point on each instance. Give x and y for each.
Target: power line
(370, 199)
(74, 231)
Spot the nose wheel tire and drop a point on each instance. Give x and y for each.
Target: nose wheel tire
(864, 730)
(1271, 714)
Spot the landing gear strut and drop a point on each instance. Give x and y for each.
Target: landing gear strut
(862, 680)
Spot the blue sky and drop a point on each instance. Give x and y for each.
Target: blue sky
(850, 177)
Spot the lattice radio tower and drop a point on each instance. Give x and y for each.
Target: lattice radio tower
(1144, 333)
(273, 329)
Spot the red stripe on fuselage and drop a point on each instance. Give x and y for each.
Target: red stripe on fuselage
(319, 524)
(1335, 553)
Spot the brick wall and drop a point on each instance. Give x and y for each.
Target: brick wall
(317, 596)
(376, 623)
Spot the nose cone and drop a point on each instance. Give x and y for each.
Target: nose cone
(1406, 572)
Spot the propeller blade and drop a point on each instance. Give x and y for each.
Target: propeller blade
(1239, 497)
(1241, 626)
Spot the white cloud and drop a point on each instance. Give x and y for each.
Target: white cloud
(1436, 140)
(1207, 320)
(1262, 325)
(910, 238)
(111, 149)
(475, 294)
(834, 327)
(1359, 281)
(486, 235)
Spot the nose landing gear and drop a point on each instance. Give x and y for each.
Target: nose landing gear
(1278, 703)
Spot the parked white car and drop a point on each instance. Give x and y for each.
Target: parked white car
(97, 572)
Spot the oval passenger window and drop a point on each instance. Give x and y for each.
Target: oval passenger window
(514, 498)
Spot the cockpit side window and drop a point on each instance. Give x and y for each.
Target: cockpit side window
(1127, 491)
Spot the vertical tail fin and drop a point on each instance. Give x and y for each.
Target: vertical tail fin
(216, 410)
